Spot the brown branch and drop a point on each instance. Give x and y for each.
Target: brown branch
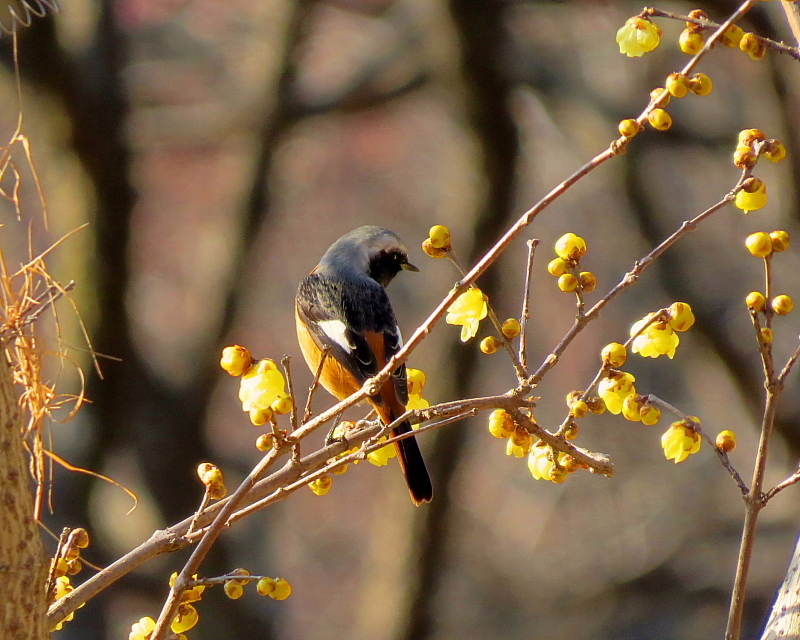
(525, 315)
(780, 47)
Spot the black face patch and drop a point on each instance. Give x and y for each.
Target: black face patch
(385, 265)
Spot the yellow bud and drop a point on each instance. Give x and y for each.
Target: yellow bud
(321, 485)
(750, 201)
(340, 470)
(578, 409)
(596, 406)
(501, 424)
(511, 328)
(628, 128)
(753, 185)
(432, 251)
(756, 301)
(265, 586)
(749, 136)
(416, 381)
(775, 151)
(233, 590)
(744, 157)
(750, 43)
(211, 476)
(690, 42)
(782, 305)
(572, 431)
(726, 441)
(282, 590)
(260, 416)
(681, 317)
(588, 281)
(236, 360)
(570, 247)
(759, 244)
(282, 405)
(660, 97)
(265, 442)
(614, 355)
(659, 119)
(677, 85)
(439, 236)
(780, 240)
(557, 267)
(700, 84)
(490, 345)
(186, 619)
(766, 335)
(732, 36)
(79, 537)
(650, 414)
(567, 283)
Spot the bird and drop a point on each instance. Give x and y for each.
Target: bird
(342, 310)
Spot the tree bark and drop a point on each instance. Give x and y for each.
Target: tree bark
(784, 620)
(23, 563)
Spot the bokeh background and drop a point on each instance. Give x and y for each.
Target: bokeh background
(217, 147)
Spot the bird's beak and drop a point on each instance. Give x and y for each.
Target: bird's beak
(409, 267)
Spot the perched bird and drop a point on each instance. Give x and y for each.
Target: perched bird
(342, 307)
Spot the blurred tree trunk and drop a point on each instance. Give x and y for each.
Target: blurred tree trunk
(23, 564)
(784, 621)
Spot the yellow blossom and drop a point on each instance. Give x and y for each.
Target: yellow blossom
(468, 310)
(656, 340)
(380, 457)
(680, 441)
(614, 388)
(142, 629)
(638, 36)
(261, 386)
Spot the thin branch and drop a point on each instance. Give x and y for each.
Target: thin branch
(788, 482)
(312, 389)
(723, 456)
(286, 362)
(780, 47)
(525, 315)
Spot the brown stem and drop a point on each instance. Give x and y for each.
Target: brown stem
(526, 313)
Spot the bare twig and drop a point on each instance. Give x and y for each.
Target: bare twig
(286, 362)
(312, 389)
(723, 457)
(772, 44)
(788, 482)
(525, 315)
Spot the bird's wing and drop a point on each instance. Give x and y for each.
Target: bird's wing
(322, 308)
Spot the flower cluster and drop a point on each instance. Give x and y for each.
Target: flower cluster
(655, 334)
(416, 385)
(262, 389)
(681, 440)
(437, 244)
(68, 563)
(510, 329)
(570, 248)
(638, 36)
(544, 462)
(211, 476)
(751, 144)
(467, 311)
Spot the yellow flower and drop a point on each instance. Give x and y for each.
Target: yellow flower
(614, 388)
(656, 340)
(321, 485)
(142, 629)
(261, 386)
(638, 36)
(468, 310)
(380, 457)
(680, 441)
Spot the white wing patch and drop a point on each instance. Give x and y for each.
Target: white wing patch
(336, 331)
